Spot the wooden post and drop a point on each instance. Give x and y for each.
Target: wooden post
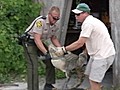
(114, 11)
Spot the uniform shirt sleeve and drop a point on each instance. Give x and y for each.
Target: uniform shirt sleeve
(38, 27)
(86, 30)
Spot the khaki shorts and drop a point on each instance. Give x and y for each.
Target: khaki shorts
(96, 68)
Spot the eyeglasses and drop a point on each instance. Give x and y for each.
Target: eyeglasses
(77, 14)
(55, 18)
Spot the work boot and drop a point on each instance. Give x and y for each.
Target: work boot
(49, 87)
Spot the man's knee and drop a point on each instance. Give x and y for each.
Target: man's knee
(95, 85)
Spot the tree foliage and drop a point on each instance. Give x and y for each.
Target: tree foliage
(15, 16)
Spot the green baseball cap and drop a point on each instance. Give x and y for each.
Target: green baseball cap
(82, 7)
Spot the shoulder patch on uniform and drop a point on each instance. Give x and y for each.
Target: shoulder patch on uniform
(39, 24)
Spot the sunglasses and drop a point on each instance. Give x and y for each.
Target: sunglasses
(77, 14)
(55, 18)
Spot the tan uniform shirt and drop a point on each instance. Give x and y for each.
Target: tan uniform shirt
(43, 27)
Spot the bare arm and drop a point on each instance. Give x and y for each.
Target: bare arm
(55, 41)
(37, 39)
(77, 44)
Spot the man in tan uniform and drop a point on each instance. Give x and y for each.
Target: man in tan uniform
(40, 30)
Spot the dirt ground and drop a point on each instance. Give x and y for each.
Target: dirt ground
(61, 83)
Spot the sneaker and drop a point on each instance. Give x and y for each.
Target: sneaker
(49, 87)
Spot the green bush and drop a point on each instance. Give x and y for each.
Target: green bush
(15, 16)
